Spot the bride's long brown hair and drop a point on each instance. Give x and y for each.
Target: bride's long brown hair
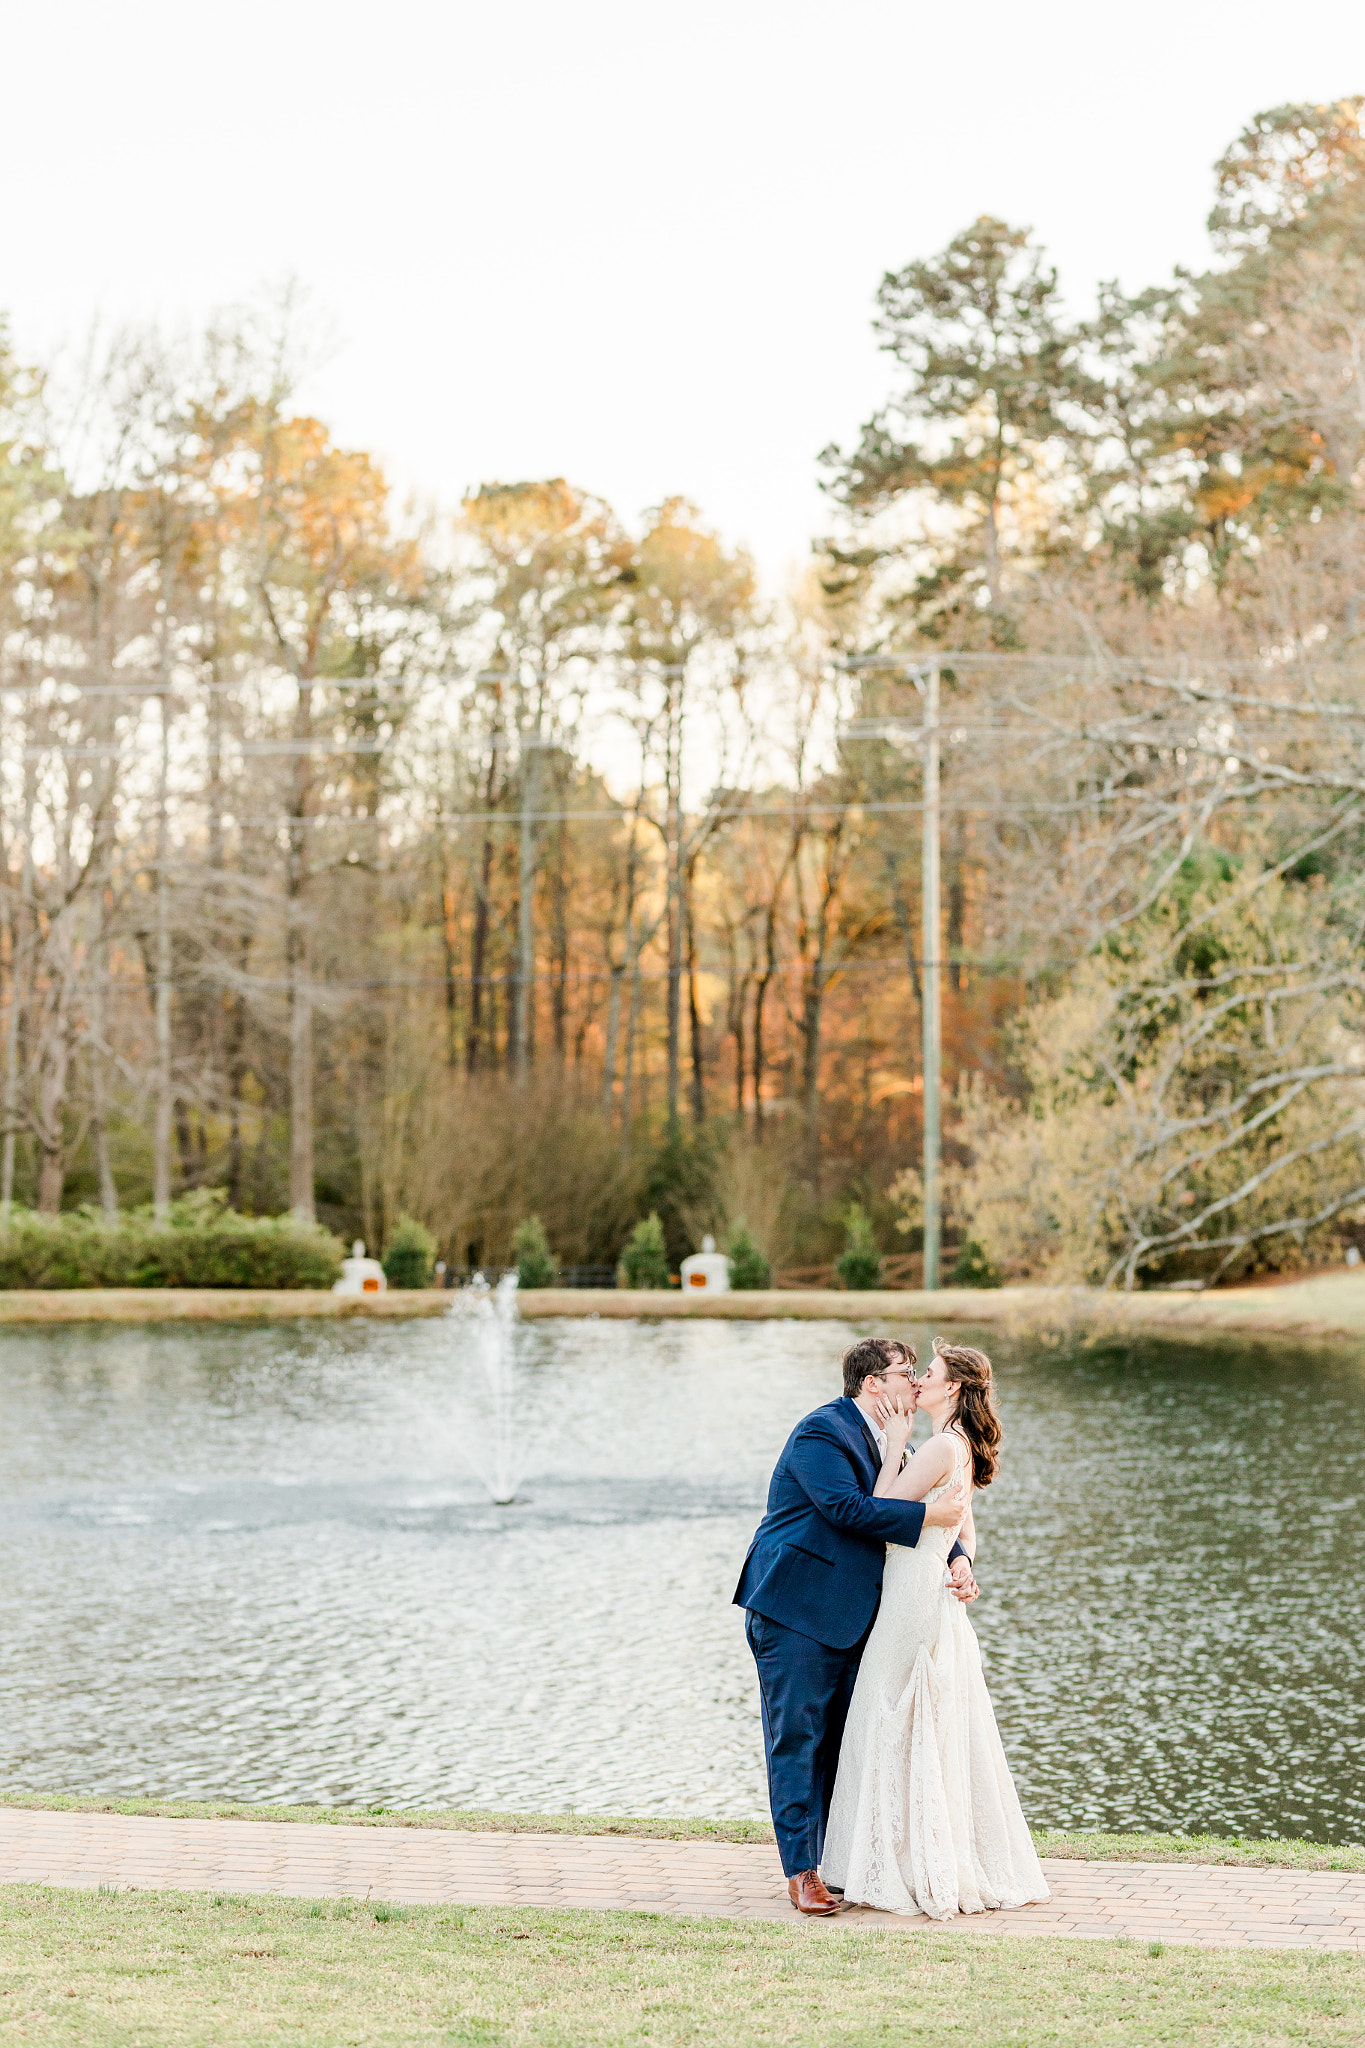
(974, 1413)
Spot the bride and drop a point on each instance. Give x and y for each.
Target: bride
(925, 1816)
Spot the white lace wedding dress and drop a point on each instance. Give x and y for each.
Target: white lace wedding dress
(925, 1816)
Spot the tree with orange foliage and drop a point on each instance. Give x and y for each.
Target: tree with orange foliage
(334, 583)
(549, 561)
(689, 596)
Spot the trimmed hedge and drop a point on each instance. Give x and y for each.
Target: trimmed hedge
(220, 1249)
(410, 1258)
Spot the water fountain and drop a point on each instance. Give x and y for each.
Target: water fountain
(486, 1317)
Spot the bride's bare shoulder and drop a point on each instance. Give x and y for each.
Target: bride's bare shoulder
(938, 1451)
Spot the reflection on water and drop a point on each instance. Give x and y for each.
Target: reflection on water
(261, 1564)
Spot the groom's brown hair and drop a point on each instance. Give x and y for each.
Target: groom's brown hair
(874, 1355)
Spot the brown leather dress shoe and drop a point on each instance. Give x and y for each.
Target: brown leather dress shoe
(808, 1894)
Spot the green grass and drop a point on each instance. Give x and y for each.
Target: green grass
(1274, 1854)
(463, 1817)
(163, 1970)
(1136, 1848)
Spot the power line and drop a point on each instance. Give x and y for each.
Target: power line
(579, 977)
(284, 822)
(955, 733)
(1089, 668)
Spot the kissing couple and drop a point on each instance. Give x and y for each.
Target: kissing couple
(886, 1777)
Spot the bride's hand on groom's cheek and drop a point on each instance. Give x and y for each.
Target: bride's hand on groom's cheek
(894, 1416)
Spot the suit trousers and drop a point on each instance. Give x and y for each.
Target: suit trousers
(805, 1688)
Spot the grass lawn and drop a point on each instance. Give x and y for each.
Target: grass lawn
(177, 1970)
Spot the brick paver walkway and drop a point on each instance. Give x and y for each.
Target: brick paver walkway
(1210, 1904)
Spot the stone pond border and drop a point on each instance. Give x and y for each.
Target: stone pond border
(1325, 1306)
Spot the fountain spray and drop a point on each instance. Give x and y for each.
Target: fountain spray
(489, 1315)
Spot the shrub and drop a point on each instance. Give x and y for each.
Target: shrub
(537, 1265)
(203, 1245)
(748, 1267)
(410, 1256)
(490, 1149)
(860, 1265)
(1107, 1171)
(973, 1268)
(644, 1262)
(680, 1188)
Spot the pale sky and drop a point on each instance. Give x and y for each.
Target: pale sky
(629, 244)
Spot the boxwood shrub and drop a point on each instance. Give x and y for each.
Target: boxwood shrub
(211, 1247)
(410, 1255)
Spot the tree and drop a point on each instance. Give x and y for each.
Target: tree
(1259, 376)
(748, 1267)
(79, 613)
(859, 1265)
(688, 596)
(551, 560)
(1279, 171)
(324, 547)
(644, 1262)
(537, 1265)
(994, 376)
(1193, 1103)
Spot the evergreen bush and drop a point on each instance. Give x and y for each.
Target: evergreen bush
(860, 1264)
(537, 1265)
(644, 1262)
(410, 1256)
(680, 1189)
(748, 1267)
(203, 1245)
(973, 1268)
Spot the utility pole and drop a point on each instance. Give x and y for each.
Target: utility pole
(161, 1142)
(675, 883)
(531, 744)
(932, 973)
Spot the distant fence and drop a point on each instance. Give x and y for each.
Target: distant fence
(569, 1276)
(899, 1269)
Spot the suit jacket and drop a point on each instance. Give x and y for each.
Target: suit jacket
(815, 1563)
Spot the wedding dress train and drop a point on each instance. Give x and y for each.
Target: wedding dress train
(925, 1817)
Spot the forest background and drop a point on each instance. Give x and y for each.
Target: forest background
(362, 864)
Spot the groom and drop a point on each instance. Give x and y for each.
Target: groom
(811, 1585)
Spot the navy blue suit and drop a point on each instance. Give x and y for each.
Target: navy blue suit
(812, 1583)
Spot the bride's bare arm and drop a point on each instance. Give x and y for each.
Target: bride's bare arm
(924, 1470)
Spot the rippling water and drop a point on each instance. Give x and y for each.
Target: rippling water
(261, 1564)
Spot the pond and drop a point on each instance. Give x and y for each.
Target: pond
(262, 1564)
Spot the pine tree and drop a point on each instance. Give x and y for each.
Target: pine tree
(994, 375)
(860, 1265)
(748, 1267)
(644, 1262)
(537, 1265)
